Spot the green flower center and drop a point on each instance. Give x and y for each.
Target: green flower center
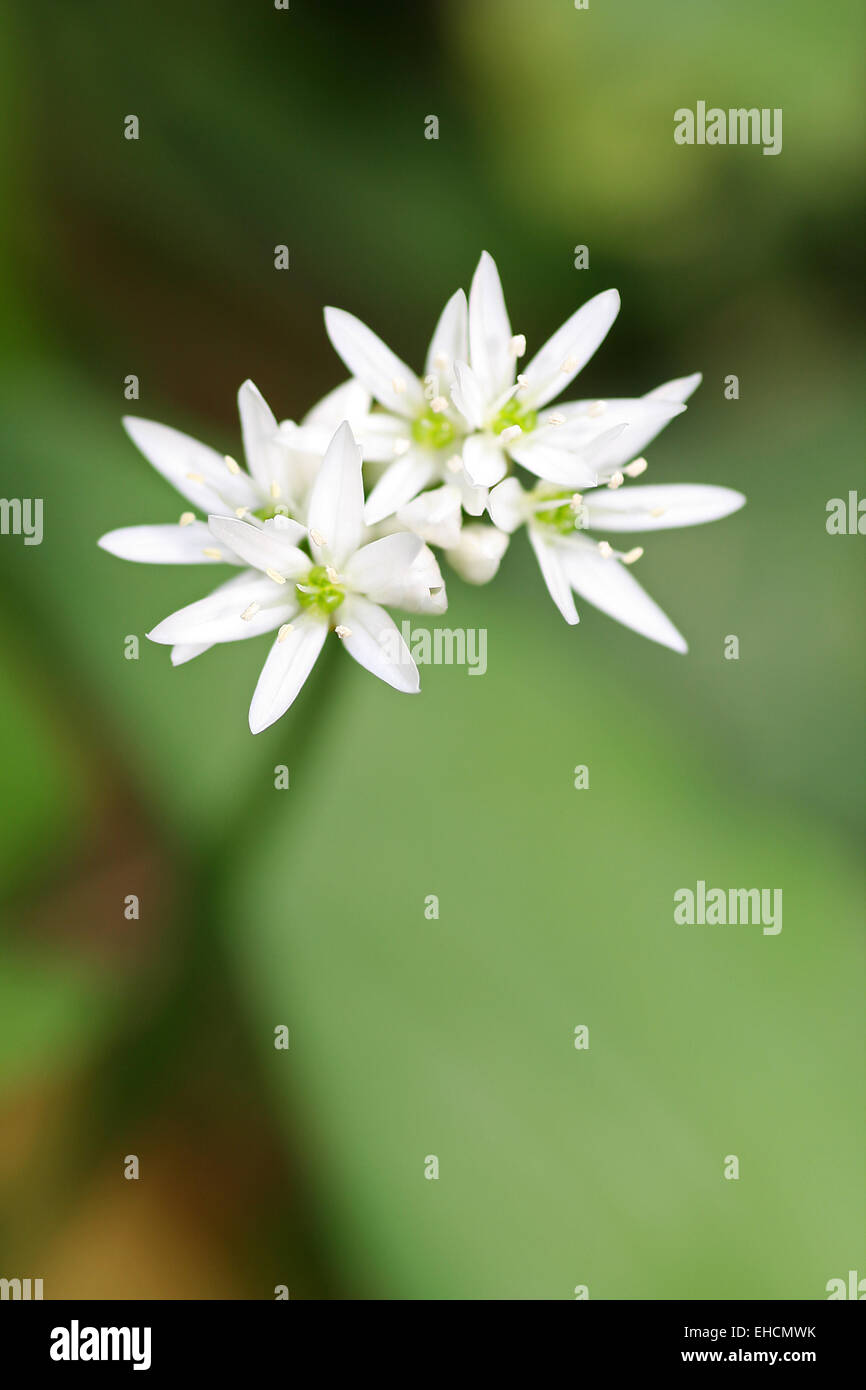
(268, 513)
(563, 515)
(319, 592)
(513, 413)
(433, 431)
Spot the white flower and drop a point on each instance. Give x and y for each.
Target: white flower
(339, 588)
(571, 563)
(504, 413)
(418, 433)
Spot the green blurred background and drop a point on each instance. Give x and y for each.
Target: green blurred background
(306, 907)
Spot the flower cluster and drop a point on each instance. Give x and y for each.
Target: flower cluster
(459, 458)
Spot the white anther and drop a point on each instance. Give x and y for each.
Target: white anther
(232, 464)
(596, 409)
(517, 346)
(555, 419)
(632, 555)
(317, 538)
(186, 519)
(241, 512)
(657, 511)
(512, 432)
(455, 464)
(576, 501)
(196, 477)
(635, 469)
(284, 632)
(401, 447)
(438, 404)
(250, 612)
(275, 489)
(331, 573)
(343, 631)
(605, 550)
(276, 576)
(570, 364)
(616, 481)
(212, 553)
(521, 378)
(398, 385)
(442, 361)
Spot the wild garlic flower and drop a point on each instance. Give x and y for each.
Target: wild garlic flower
(571, 563)
(339, 587)
(417, 432)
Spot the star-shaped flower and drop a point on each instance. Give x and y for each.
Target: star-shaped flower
(571, 563)
(339, 587)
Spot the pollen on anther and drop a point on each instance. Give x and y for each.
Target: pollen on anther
(657, 511)
(276, 576)
(570, 364)
(597, 408)
(343, 631)
(331, 573)
(275, 489)
(635, 469)
(212, 553)
(517, 346)
(241, 512)
(576, 501)
(284, 632)
(511, 432)
(186, 519)
(616, 481)
(250, 611)
(605, 550)
(442, 361)
(401, 447)
(632, 555)
(196, 477)
(521, 378)
(555, 419)
(398, 385)
(232, 464)
(317, 538)
(438, 404)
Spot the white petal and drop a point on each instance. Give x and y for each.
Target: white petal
(265, 455)
(474, 498)
(217, 618)
(267, 547)
(541, 453)
(678, 390)
(425, 592)
(508, 505)
(336, 509)
(478, 554)
(288, 664)
(640, 420)
(467, 394)
(400, 482)
(484, 460)
(435, 515)
(183, 653)
(374, 641)
(607, 584)
(392, 383)
(676, 504)
(551, 562)
(349, 401)
(450, 341)
(489, 330)
(570, 348)
(198, 473)
(167, 545)
(380, 567)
